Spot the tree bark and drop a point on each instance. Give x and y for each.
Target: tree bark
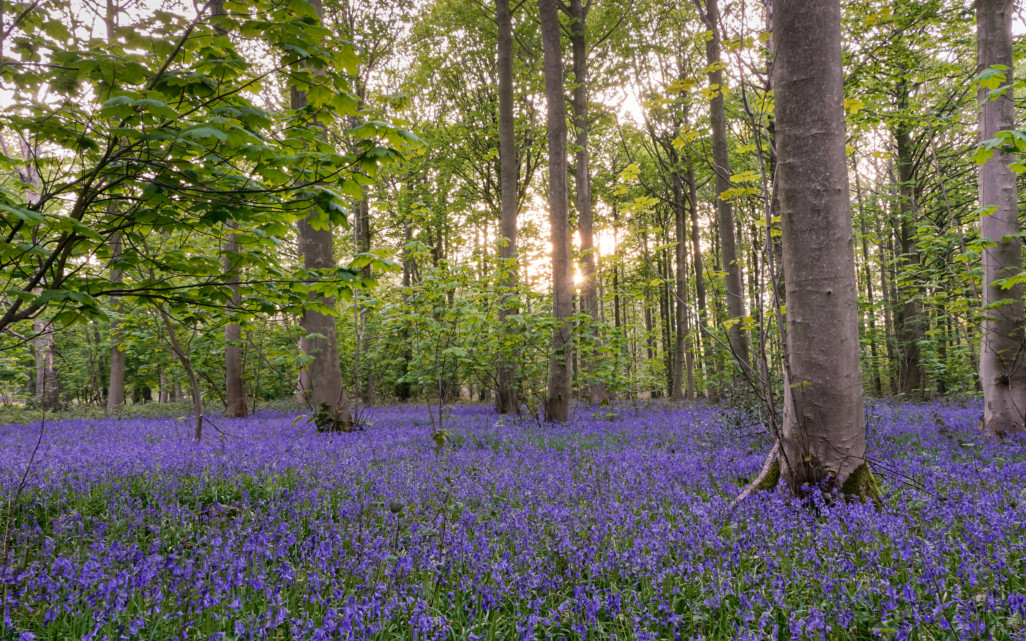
(234, 370)
(557, 406)
(327, 394)
(911, 376)
(578, 11)
(681, 368)
(506, 401)
(867, 275)
(724, 210)
(48, 391)
(824, 434)
(116, 387)
(1002, 374)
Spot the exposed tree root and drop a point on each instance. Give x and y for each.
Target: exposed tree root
(766, 479)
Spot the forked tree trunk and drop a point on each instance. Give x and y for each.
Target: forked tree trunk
(557, 406)
(724, 210)
(1002, 371)
(824, 435)
(506, 401)
(597, 392)
(326, 392)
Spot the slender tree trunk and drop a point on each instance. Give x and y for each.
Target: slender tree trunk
(616, 269)
(589, 298)
(910, 329)
(506, 401)
(666, 313)
(824, 435)
(890, 296)
(234, 370)
(116, 388)
(680, 353)
(1002, 374)
(702, 341)
(48, 391)
(162, 393)
(326, 392)
(190, 371)
(557, 407)
(874, 364)
(724, 210)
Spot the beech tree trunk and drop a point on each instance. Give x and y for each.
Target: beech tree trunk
(116, 386)
(1002, 374)
(557, 406)
(506, 401)
(578, 11)
(824, 435)
(326, 394)
(724, 210)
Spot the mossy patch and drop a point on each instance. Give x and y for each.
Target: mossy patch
(861, 484)
(771, 479)
(327, 420)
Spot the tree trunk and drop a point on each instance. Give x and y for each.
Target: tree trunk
(327, 394)
(724, 210)
(557, 406)
(48, 391)
(116, 388)
(702, 341)
(597, 392)
(234, 370)
(824, 435)
(911, 377)
(506, 401)
(1002, 374)
(680, 352)
(867, 275)
(162, 392)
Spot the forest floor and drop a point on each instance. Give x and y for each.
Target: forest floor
(616, 525)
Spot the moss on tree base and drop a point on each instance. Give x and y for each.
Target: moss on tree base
(772, 478)
(861, 484)
(326, 420)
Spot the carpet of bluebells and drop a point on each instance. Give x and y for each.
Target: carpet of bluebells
(615, 526)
